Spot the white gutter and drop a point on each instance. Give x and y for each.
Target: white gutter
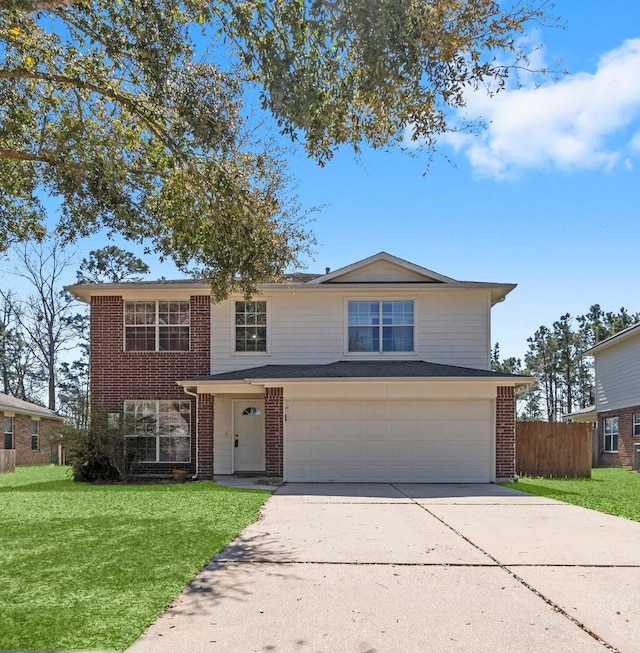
(195, 395)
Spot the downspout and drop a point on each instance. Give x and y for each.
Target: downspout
(195, 395)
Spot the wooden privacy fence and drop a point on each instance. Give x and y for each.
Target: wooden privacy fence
(555, 449)
(7, 460)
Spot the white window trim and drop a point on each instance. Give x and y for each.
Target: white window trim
(232, 320)
(617, 433)
(379, 354)
(157, 461)
(156, 325)
(635, 421)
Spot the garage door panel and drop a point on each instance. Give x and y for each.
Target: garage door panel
(402, 441)
(374, 410)
(441, 410)
(354, 429)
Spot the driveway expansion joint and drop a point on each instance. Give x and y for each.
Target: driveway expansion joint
(557, 608)
(565, 564)
(352, 563)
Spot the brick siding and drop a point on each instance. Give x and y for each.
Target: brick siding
(274, 430)
(117, 375)
(22, 439)
(505, 433)
(626, 440)
(205, 436)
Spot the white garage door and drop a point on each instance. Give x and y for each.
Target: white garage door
(388, 441)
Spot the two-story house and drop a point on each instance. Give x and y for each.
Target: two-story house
(617, 397)
(378, 371)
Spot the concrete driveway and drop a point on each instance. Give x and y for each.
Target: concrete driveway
(413, 568)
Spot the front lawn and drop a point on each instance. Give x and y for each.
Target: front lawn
(91, 566)
(611, 490)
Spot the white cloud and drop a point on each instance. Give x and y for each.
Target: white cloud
(582, 121)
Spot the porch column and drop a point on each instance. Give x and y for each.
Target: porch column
(505, 434)
(273, 430)
(205, 437)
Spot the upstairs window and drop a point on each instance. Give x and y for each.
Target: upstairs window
(35, 435)
(251, 326)
(8, 433)
(380, 326)
(611, 434)
(156, 326)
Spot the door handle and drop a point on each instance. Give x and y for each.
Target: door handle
(236, 442)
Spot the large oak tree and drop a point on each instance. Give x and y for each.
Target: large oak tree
(133, 113)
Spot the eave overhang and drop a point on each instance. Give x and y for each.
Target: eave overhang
(615, 339)
(177, 290)
(351, 372)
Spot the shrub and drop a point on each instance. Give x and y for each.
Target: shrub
(98, 454)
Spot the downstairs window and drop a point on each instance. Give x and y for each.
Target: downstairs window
(611, 434)
(8, 432)
(35, 435)
(158, 431)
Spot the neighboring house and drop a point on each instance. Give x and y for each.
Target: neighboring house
(588, 414)
(378, 371)
(617, 407)
(27, 429)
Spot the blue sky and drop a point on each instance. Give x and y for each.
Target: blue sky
(548, 197)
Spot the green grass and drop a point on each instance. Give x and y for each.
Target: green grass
(614, 491)
(91, 566)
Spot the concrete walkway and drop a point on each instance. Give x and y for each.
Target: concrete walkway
(413, 568)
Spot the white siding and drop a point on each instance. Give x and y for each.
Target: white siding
(309, 326)
(618, 375)
(384, 271)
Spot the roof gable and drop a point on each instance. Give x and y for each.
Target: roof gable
(622, 336)
(383, 268)
(379, 269)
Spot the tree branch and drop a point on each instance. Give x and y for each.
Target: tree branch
(131, 105)
(52, 5)
(18, 155)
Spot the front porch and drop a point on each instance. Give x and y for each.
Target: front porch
(239, 431)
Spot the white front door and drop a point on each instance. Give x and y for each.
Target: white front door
(248, 435)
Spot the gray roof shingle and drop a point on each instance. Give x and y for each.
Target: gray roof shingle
(358, 369)
(13, 404)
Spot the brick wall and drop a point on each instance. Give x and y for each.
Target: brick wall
(505, 433)
(116, 375)
(22, 439)
(205, 436)
(274, 430)
(626, 440)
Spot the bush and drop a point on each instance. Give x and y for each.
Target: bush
(98, 454)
